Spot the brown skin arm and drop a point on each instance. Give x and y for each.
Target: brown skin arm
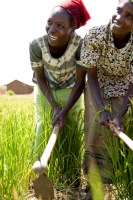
(117, 121)
(105, 115)
(74, 96)
(46, 89)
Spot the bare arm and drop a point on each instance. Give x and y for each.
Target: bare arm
(74, 96)
(126, 101)
(105, 115)
(45, 87)
(94, 87)
(76, 91)
(117, 121)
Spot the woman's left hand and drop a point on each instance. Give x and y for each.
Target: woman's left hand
(117, 122)
(59, 119)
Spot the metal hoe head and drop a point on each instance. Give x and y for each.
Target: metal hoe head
(43, 188)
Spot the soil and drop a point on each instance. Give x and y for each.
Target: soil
(82, 193)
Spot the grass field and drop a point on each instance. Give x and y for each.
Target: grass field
(16, 136)
(16, 145)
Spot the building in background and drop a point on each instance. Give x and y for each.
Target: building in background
(19, 87)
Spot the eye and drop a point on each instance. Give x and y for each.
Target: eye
(60, 26)
(49, 22)
(119, 10)
(129, 16)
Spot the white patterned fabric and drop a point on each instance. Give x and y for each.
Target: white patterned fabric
(114, 66)
(60, 72)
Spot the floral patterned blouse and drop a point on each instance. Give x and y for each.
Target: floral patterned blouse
(114, 66)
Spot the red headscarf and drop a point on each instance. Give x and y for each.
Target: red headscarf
(78, 11)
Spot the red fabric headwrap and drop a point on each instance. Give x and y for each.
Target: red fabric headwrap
(78, 11)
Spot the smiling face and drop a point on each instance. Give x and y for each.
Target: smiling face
(59, 28)
(122, 20)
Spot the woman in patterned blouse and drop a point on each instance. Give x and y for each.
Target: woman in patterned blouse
(107, 54)
(54, 58)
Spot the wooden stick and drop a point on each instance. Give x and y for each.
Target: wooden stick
(41, 166)
(123, 137)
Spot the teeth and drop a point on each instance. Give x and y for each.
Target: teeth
(118, 25)
(53, 37)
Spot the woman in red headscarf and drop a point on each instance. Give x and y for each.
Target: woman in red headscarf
(58, 82)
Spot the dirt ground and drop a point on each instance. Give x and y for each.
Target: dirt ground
(77, 194)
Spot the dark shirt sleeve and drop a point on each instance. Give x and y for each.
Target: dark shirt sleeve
(35, 55)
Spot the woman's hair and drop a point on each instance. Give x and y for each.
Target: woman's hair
(70, 17)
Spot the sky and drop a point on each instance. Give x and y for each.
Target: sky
(21, 21)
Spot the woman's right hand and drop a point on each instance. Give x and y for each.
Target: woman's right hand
(105, 118)
(117, 122)
(59, 119)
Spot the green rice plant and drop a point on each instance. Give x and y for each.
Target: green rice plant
(95, 182)
(121, 160)
(16, 135)
(69, 151)
(65, 162)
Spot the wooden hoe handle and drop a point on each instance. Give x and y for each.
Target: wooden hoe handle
(41, 166)
(48, 150)
(123, 137)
